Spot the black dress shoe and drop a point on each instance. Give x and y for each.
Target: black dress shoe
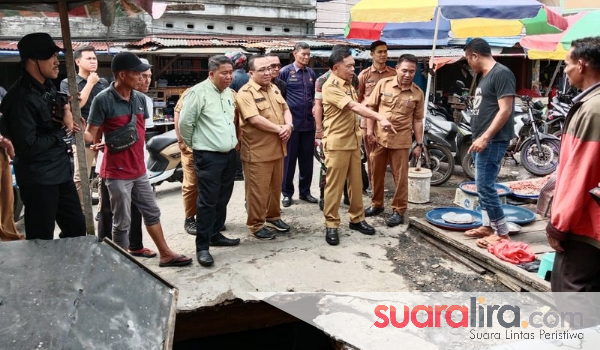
(264, 233)
(204, 258)
(189, 225)
(278, 225)
(362, 227)
(309, 199)
(331, 236)
(222, 241)
(287, 201)
(370, 211)
(394, 220)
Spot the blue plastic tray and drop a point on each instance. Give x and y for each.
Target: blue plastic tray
(515, 214)
(506, 189)
(435, 217)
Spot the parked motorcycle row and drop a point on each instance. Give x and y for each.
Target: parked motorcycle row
(536, 139)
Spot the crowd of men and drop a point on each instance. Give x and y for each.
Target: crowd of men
(269, 124)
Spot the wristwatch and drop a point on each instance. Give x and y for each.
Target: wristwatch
(291, 126)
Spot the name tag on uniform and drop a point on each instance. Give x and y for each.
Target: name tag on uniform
(257, 100)
(293, 79)
(370, 81)
(386, 94)
(348, 92)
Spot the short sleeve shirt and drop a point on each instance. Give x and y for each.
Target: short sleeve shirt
(340, 124)
(100, 85)
(110, 112)
(498, 83)
(368, 78)
(319, 85)
(400, 107)
(258, 145)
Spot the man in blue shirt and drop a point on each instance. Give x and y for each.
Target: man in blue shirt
(300, 96)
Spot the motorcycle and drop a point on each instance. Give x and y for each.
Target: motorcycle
(538, 150)
(561, 104)
(164, 159)
(438, 107)
(436, 154)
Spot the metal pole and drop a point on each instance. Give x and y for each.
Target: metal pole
(428, 87)
(76, 110)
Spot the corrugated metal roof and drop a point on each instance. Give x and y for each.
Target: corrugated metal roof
(98, 45)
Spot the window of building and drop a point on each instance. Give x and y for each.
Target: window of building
(210, 26)
(249, 28)
(190, 26)
(267, 29)
(169, 25)
(286, 30)
(229, 27)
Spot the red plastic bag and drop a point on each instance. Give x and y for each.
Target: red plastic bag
(513, 252)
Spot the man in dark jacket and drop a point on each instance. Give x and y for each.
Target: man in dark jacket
(36, 124)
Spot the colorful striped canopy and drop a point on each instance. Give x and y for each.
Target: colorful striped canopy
(555, 46)
(422, 26)
(400, 11)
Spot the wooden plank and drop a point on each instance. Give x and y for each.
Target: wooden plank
(529, 280)
(453, 252)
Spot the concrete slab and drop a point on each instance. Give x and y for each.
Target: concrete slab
(298, 261)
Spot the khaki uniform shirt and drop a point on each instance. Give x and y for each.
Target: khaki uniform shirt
(341, 129)
(179, 104)
(368, 78)
(400, 107)
(258, 145)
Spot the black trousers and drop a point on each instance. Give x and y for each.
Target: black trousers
(46, 205)
(576, 282)
(300, 148)
(239, 171)
(105, 221)
(216, 173)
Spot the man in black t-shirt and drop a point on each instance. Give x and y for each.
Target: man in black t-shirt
(89, 84)
(492, 123)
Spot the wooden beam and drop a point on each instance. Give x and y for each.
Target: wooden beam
(76, 110)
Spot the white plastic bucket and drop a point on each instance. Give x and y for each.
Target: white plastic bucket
(419, 185)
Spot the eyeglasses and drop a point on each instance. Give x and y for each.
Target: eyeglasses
(275, 65)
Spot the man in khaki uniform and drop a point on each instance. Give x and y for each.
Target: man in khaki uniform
(401, 101)
(341, 144)
(367, 79)
(189, 187)
(266, 124)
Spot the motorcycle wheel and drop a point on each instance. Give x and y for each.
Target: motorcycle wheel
(468, 165)
(540, 164)
(441, 164)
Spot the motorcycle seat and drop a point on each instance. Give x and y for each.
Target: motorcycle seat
(160, 142)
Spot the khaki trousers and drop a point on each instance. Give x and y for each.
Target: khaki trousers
(189, 187)
(263, 192)
(90, 155)
(398, 160)
(368, 150)
(342, 165)
(8, 230)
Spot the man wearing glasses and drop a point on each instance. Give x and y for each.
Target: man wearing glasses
(275, 67)
(266, 124)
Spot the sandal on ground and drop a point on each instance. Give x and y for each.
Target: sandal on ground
(179, 260)
(480, 232)
(143, 253)
(490, 241)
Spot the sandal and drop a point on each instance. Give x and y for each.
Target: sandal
(490, 241)
(143, 253)
(480, 232)
(179, 260)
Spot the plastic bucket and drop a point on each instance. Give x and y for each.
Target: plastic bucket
(419, 182)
